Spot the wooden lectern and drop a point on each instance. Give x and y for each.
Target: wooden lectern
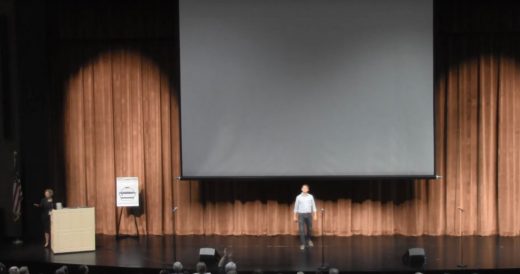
(73, 230)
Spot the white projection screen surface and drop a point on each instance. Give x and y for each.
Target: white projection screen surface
(301, 88)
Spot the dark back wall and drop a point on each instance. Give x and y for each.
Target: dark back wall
(9, 120)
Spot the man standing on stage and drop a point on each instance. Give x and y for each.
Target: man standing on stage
(304, 210)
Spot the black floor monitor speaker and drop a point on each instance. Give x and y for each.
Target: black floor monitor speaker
(415, 257)
(209, 256)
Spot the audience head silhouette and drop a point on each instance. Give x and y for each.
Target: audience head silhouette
(14, 270)
(201, 268)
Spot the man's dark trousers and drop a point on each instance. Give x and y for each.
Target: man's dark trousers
(305, 221)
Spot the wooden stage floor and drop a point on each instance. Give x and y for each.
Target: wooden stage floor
(282, 254)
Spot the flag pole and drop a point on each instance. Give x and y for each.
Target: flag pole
(17, 197)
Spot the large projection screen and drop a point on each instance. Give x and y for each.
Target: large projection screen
(283, 88)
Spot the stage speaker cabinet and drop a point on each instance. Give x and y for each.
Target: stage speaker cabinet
(415, 257)
(210, 257)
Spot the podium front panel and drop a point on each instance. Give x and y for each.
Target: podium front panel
(73, 230)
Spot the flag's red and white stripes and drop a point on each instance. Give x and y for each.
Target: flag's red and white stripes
(17, 199)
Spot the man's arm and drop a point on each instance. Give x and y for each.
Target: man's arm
(295, 216)
(224, 260)
(314, 211)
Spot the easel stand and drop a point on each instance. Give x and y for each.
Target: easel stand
(127, 195)
(118, 219)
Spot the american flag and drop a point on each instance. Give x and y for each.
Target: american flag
(17, 199)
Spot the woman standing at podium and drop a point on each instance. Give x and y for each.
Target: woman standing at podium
(46, 206)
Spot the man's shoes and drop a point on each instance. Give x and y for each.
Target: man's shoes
(302, 247)
(311, 244)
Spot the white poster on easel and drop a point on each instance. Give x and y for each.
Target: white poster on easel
(127, 191)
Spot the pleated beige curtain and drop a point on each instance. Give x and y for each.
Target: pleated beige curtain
(117, 122)
(121, 118)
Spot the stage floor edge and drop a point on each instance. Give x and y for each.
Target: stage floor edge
(282, 253)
